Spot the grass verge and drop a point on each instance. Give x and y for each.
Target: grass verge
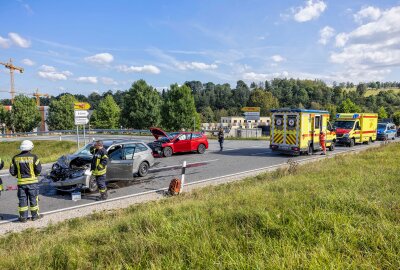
(47, 151)
(341, 213)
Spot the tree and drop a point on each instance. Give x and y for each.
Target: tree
(207, 115)
(107, 114)
(241, 94)
(263, 99)
(61, 113)
(25, 115)
(396, 118)
(5, 117)
(382, 113)
(141, 107)
(348, 106)
(179, 110)
(361, 89)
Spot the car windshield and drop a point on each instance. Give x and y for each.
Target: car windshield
(85, 151)
(344, 124)
(382, 126)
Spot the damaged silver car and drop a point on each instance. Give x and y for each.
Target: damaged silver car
(127, 158)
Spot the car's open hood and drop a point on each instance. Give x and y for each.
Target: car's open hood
(157, 133)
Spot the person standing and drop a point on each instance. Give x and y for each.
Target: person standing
(221, 139)
(322, 142)
(26, 167)
(99, 169)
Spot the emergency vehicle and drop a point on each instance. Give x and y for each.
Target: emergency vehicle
(296, 131)
(352, 128)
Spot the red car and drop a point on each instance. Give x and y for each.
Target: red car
(167, 144)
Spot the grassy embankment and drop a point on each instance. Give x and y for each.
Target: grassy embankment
(373, 92)
(47, 151)
(342, 213)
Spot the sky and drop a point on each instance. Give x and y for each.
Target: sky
(85, 46)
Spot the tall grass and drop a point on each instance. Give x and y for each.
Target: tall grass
(342, 213)
(47, 151)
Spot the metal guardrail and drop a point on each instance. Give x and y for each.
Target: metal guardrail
(73, 132)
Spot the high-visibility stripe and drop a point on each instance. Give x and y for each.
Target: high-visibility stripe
(34, 208)
(102, 190)
(37, 162)
(23, 208)
(18, 170)
(26, 181)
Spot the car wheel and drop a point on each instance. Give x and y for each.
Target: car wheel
(92, 184)
(201, 149)
(143, 169)
(167, 151)
(310, 150)
(352, 143)
(332, 147)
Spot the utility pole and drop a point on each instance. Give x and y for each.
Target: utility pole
(11, 67)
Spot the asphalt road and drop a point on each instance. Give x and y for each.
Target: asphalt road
(238, 156)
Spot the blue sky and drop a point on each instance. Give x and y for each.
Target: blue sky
(86, 46)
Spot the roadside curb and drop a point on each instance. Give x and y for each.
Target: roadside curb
(56, 216)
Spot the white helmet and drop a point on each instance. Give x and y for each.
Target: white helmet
(26, 145)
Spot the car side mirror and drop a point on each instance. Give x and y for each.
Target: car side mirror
(177, 140)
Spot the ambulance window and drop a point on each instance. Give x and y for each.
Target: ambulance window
(317, 122)
(358, 126)
(291, 122)
(279, 121)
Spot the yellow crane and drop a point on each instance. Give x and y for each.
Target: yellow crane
(36, 94)
(11, 67)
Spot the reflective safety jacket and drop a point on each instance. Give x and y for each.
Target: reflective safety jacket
(322, 137)
(99, 162)
(26, 167)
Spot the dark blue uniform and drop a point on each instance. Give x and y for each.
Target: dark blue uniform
(26, 167)
(99, 170)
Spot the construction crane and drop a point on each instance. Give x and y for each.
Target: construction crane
(11, 67)
(37, 95)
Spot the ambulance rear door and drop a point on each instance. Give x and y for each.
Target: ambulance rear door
(292, 123)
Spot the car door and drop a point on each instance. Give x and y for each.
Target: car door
(120, 164)
(182, 143)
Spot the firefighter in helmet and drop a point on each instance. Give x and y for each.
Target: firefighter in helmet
(99, 168)
(26, 167)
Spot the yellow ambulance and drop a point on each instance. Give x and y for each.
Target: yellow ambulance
(296, 131)
(352, 128)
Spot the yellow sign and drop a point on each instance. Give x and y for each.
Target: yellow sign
(81, 106)
(251, 109)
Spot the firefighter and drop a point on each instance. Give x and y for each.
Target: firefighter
(26, 167)
(322, 142)
(99, 169)
(221, 139)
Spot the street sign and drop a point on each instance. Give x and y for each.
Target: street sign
(81, 106)
(81, 121)
(79, 114)
(252, 117)
(251, 109)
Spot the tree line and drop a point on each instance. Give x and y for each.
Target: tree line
(186, 106)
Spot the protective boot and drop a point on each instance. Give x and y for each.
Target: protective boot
(22, 219)
(36, 216)
(103, 196)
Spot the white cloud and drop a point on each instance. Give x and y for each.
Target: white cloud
(92, 80)
(5, 42)
(326, 34)
(28, 62)
(108, 81)
(51, 73)
(100, 58)
(252, 76)
(139, 69)
(368, 13)
(371, 49)
(278, 58)
(19, 41)
(195, 66)
(312, 10)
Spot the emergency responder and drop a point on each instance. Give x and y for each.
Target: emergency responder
(26, 167)
(221, 139)
(322, 142)
(99, 168)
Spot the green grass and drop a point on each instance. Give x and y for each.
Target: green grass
(373, 92)
(47, 151)
(342, 213)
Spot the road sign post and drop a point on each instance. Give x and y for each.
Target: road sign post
(81, 118)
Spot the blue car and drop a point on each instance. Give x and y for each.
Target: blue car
(386, 131)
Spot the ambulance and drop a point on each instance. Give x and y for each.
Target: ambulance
(352, 128)
(296, 131)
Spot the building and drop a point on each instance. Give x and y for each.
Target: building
(240, 122)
